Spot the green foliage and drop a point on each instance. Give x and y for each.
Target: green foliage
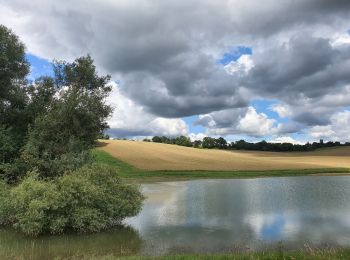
(51, 124)
(183, 141)
(5, 204)
(46, 132)
(42, 97)
(156, 139)
(221, 143)
(180, 140)
(197, 144)
(273, 254)
(13, 172)
(101, 157)
(103, 136)
(74, 117)
(8, 149)
(12, 59)
(208, 142)
(89, 199)
(281, 147)
(13, 98)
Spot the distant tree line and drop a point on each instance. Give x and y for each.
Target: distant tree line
(221, 143)
(180, 140)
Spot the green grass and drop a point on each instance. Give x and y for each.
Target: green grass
(310, 254)
(105, 158)
(129, 172)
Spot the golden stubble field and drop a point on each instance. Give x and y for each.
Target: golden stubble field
(155, 156)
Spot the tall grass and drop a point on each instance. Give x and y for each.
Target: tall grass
(308, 254)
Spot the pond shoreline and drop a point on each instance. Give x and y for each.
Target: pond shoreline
(311, 254)
(255, 218)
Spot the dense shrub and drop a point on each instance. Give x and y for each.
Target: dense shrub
(89, 199)
(4, 203)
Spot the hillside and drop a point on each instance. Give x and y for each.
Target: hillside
(156, 156)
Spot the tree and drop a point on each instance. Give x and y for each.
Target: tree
(165, 140)
(183, 141)
(13, 99)
(156, 139)
(69, 118)
(46, 132)
(221, 143)
(285, 147)
(240, 145)
(41, 97)
(197, 144)
(208, 142)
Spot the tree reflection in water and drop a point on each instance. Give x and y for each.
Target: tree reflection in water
(119, 241)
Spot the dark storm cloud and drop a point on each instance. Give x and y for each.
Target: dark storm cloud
(304, 65)
(188, 84)
(312, 118)
(289, 128)
(221, 119)
(300, 72)
(165, 53)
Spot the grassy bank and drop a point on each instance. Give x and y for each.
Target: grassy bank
(311, 254)
(129, 172)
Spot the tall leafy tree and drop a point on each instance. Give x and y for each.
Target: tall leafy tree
(51, 124)
(75, 115)
(13, 99)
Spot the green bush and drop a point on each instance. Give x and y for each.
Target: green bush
(4, 203)
(89, 199)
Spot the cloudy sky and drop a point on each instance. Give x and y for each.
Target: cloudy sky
(277, 70)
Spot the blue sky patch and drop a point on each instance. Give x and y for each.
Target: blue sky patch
(264, 106)
(234, 54)
(273, 231)
(193, 128)
(38, 67)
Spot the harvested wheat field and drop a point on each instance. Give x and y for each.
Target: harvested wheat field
(156, 156)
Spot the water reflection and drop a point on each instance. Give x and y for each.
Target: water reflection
(121, 241)
(212, 216)
(217, 215)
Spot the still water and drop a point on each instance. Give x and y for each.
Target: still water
(214, 216)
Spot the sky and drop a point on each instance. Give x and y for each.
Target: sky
(277, 71)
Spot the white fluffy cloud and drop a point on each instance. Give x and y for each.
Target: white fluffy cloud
(340, 39)
(337, 130)
(285, 139)
(198, 136)
(130, 119)
(243, 65)
(240, 121)
(281, 110)
(256, 124)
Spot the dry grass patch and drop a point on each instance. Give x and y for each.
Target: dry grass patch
(155, 156)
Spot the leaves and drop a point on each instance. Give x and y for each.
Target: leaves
(86, 200)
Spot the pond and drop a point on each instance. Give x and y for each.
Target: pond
(210, 216)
